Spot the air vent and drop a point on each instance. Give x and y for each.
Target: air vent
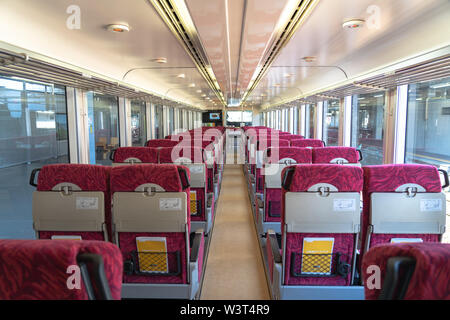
(177, 17)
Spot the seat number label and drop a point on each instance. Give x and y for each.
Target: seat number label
(340, 205)
(87, 203)
(170, 204)
(430, 205)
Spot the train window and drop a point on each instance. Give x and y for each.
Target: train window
(309, 121)
(158, 122)
(138, 123)
(368, 126)
(331, 122)
(295, 129)
(171, 120)
(33, 133)
(428, 123)
(103, 114)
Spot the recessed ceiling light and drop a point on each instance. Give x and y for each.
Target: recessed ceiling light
(353, 23)
(199, 91)
(309, 59)
(288, 75)
(159, 60)
(181, 75)
(191, 85)
(277, 85)
(119, 28)
(203, 95)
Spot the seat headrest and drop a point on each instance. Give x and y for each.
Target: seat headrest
(300, 155)
(144, 154)
(305, 143)
(171, 178)
(302, 178)
(161, 143)
(328, 154)
(86, 176)
(388, 178)
(170, 155)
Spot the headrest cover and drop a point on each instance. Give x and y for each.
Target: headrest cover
(345, 179)
(300, 155)
(328, 154)
(144, 154)
(172, 154)
(86, 176)
(304, 143)
(156, 143)
(128, 178)
(388, 178)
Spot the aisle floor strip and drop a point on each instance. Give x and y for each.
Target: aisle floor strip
(234, 268)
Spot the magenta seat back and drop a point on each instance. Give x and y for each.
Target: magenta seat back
(168, 179)
(77, 178)
(389, 179)
(307, 181)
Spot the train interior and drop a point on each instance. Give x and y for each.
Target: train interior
(224, 150)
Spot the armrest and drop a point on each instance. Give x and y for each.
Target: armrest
(272, 238)
(196, 244)
(209, 200)
(260, 203)
(399, 271)
(93, 275)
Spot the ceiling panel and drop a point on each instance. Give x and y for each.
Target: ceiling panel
(40, 26)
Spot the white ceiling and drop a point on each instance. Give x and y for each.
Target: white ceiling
(235, 35)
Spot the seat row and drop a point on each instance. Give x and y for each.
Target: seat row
(144, 209)
(314, 252)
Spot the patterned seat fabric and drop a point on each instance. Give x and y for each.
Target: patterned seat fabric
(307, 143)
(38, 269)
(88, 178)
(345, 179)
(328, 154)
(387, 178)
(167, 176)
(143, 154)
(430, 278)
(273, 195)
(158, 143)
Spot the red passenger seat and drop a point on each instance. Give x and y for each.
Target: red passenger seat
(59, 270)
(320, 225)
(151, 219)
(409, 271)
(276, 159)
(72, 200)
(402, 202)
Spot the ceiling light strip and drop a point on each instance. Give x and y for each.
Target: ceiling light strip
(176, 16)
(302, 11)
